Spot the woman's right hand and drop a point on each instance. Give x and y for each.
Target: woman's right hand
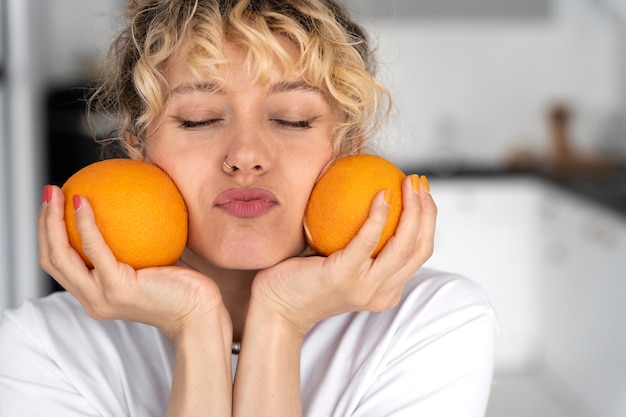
(184, 304)
(170, 298)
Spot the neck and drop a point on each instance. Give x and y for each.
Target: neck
(235, 286)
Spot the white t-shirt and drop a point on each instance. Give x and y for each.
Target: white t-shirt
(431, 355)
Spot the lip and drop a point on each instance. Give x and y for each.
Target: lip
(246, 203)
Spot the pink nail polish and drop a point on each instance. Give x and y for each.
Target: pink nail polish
(76, 202)
(46, 194)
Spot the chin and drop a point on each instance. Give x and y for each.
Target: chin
(243, 263)
(263, 259)
(251, 255)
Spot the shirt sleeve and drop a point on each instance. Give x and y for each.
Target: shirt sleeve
(31, 384)
(57, 361)
(440, 360)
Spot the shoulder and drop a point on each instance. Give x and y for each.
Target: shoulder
(59, 325)
(431, 282)
(58, 350)
(37, 322)
(445, 312)
(431, 299)
(433, 295)
(441, 331)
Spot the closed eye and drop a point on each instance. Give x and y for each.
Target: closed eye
(299, 124)
(195, 124)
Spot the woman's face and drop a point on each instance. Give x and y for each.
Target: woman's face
(278, 136)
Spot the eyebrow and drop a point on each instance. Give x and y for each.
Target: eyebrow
(292, 86)
(286, 86)
(215, 88)
(193, 87)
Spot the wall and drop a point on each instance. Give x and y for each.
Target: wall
(467, 89)
(75, 35)
(44, 43)
(472, 92)
(20, 159)
(4, 215)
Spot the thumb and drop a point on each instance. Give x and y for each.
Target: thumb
(367, 239)
(93, 244)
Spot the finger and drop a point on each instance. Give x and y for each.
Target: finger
(413, 242)
(94, 245)
(360, 249)
(56, 255)
(404, 239)
(106, 290)
(42, 229)
(428, 221)
(53, 240)
(414, 234)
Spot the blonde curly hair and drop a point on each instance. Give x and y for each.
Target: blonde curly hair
(334, 55)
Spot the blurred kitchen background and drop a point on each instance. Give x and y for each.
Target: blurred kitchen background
(515, 109)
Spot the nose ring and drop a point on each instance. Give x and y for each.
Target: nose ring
(227, 165)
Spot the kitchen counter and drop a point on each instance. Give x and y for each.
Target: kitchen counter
(608, 190)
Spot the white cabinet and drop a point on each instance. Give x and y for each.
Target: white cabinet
(584, 302)
(554, 266)
(487, 230)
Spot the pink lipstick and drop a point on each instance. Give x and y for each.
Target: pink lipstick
(246, 203)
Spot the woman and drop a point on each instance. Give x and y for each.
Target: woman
(244, 104)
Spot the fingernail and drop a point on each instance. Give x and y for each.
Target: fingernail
(425, 183)
(415, 182)
(76, 202)
(387, 198)
(46, 194)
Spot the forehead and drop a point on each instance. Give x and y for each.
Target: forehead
(234, 65)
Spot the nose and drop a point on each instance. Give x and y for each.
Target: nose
(248, 152)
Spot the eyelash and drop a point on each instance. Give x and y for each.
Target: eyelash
(192, 124)
(300, 124)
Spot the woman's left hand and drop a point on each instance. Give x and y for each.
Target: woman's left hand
(309, 289)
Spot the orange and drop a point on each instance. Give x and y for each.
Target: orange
(340, 201)
(137, 207)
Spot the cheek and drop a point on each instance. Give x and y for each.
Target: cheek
(182, 169)
(187, 185)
